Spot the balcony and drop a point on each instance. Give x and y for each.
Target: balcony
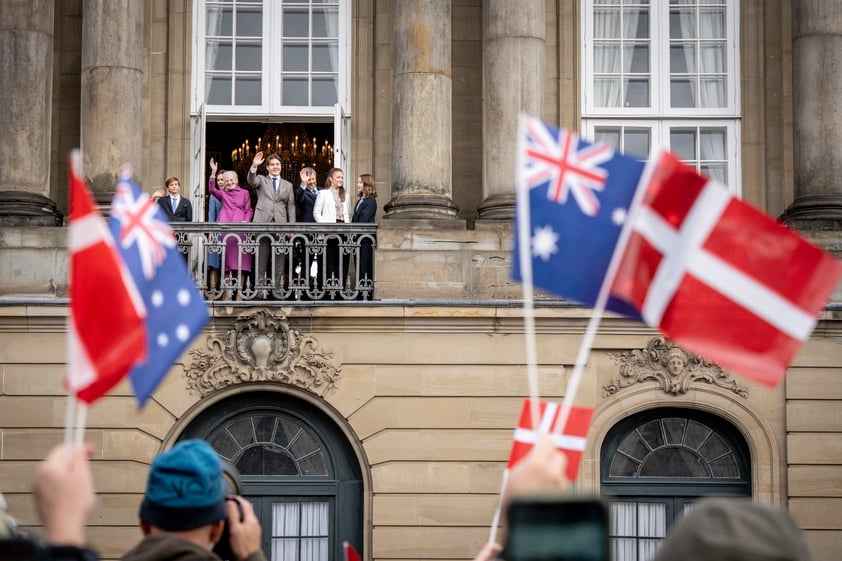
(333, 262)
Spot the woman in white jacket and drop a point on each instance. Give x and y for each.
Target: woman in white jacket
(332, 206)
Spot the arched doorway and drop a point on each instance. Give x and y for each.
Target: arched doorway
(298, 470)
(655, 464)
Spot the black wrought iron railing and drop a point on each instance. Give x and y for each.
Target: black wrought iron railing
(248, 261)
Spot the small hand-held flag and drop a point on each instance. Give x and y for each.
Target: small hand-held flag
(350, 553)
(106, 334)
(721, 278)
(176, 312)
(571, 440)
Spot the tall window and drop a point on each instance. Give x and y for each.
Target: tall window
(297, 468)
(656, 464)
(265, 57)
(664, 74)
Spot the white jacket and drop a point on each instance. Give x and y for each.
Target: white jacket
(324, 210)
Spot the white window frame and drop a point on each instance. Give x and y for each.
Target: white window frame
(272, 58)
(660, 131)
(659, 67)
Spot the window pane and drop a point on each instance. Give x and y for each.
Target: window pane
(249, 57)
(623, 549)
(713, 448)
(713, 144)
(673, 462)
(222, 442)
(607, 58)
(242, 432)
(607, 135)
(218, 55)
(636, 24)
(696, 432)
(314, 519)
(712, 59)
(286, 432)
(219, 22)
(325, 91)
(634, 446)
(249, 23)
(637, 93)
(682, 59)
(674, 430)
(622, 466)
(294, 91)
(725, 468)
(248, 91)
(606, 23)
(285, 519)
(295, 58)
(314, 549)
(682, 24)
(296, 24)
(264, 427)
(712, 92)
(607, 92)
(636, 59)
(637, 143)
(313, 465)
(712, 23)
(683, 143)
(326, 23)
(325, 58)
(651, 434)
(652, 520)
(682, 92)
(719, 172)
(285, 549)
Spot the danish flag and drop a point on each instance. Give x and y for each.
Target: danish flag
(106, 333)
(569, 168)
(571, 441)
(721, 278)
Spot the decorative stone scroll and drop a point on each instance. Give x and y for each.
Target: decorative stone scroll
(261, 347)
(669, 365)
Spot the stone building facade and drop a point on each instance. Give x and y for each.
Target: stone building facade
(388, 423)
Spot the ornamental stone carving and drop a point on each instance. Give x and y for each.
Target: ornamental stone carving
(261, 347)
(669, 365)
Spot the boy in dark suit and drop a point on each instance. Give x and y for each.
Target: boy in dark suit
(176, 208)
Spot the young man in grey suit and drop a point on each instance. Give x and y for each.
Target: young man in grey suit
(275, 203)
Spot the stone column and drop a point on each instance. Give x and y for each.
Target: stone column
(421, 111)
(26, 90)
(112, 84)
(512, 83)
(817, 115)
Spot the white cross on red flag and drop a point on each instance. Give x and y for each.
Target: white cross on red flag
(721, 278)
(106, 334)
(571, 441)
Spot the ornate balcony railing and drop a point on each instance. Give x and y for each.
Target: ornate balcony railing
(302, 261)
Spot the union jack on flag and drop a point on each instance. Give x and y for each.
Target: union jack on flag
(571, 244)
(570, 167)
(176, 312)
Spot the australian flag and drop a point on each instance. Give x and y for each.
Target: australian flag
(176, 312)
(578, 195)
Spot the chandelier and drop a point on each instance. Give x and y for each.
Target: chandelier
(296, 148)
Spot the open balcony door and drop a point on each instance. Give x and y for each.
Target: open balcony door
(342, 140)
(197, 194)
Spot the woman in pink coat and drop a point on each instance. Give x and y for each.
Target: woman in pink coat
(236, 207)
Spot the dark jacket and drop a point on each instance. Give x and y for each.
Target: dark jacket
(169, 547)
(306, 199)
(183, 212)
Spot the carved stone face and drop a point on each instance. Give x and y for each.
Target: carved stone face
(675, 364)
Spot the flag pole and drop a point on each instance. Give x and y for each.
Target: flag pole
(602, 299)
(523, 222)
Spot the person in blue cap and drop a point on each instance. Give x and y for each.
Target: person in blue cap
(184, 509)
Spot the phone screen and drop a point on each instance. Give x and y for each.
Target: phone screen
(557, 529)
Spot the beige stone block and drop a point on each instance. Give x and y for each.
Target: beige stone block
(355, 388)
(34, 444)
(414, 477)
(120, 476)
(813, 448)
(34, 379)
(16, 476)
(813, 383)
(814, 416)
(172, 395)
(824, 544)
(815, 481)
(32, 412)
(817, 513)
(121, 412)
(48, 347)
(117, 509)
(433, 510)
(825, 351)
(22, 507)
(455, 445)
(129, 444)
(467, 380)
(428, 542)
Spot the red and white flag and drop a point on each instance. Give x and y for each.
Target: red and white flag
(721, 278)
(350, 553)
(571, 441)
(106, 334)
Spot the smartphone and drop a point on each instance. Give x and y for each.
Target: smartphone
(559, 528)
